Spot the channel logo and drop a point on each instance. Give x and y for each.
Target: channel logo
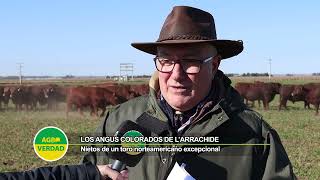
(50, 143)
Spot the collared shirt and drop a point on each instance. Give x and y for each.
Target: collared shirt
(179, 120)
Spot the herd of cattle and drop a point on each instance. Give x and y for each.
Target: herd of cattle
(265, 92)
(98, 97)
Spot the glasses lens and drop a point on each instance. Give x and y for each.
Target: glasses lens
(191, 67)
(164, 65)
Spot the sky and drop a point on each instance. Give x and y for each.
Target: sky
(92, 38)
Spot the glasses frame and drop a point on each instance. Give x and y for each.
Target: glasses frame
(175, 62)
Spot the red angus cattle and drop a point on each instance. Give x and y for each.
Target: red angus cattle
(242, 88)
(16, 97)
(285, 93)
(7, 95)
(20, 96)
(28, 96)
(140, 90)
(263, 91)
(1, 96)
(55, 94)
(309, 92)
(311, 85)
(38, 95)
(93, 97)
(123, 92)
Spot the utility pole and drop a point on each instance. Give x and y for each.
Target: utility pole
(20, 72)
(269, 68)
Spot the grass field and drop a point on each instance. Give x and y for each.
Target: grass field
(299, 130)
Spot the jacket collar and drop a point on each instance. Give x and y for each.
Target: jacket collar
(205, 126)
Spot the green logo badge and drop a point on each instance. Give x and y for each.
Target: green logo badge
(131, 142)
(50, 143)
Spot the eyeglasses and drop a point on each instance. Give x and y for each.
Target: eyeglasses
(189, 66)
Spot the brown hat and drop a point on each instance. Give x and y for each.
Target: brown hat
(186, 25)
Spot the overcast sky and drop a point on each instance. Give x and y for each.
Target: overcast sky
(93, 37)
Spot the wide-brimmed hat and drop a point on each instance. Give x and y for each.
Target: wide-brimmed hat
(185, 25)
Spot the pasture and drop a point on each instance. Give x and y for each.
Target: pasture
(298, 128)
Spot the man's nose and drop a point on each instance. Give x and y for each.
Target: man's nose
(177, 71)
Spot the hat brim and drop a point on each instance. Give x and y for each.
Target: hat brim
(226, 48)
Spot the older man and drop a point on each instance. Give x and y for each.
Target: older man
(196, 99)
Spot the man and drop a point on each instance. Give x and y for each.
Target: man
(196, 99)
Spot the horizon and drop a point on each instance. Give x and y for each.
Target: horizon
(265, 74)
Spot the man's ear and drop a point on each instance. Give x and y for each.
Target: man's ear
(216, 63)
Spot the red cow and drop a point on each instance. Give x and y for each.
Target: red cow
(20, 96)
(140, 90)
(37, 95)
(309, 92)
(93, 97)
(55, 94)
(285, 93)
(1, 96)
(263, 91)
(7, 94)
(123, 92)
(242, 88)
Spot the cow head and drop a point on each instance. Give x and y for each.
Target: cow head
(6, 94)
(50, 92)
(298, 91)
(276, 87)
(16, 93)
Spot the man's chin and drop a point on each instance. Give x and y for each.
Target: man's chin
(180, 104)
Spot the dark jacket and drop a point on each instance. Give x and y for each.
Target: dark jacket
(85, 171)
(227, 118)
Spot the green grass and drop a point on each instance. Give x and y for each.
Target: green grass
(19, 128)
(298, 128)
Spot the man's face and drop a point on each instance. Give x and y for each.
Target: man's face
(181, 90)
